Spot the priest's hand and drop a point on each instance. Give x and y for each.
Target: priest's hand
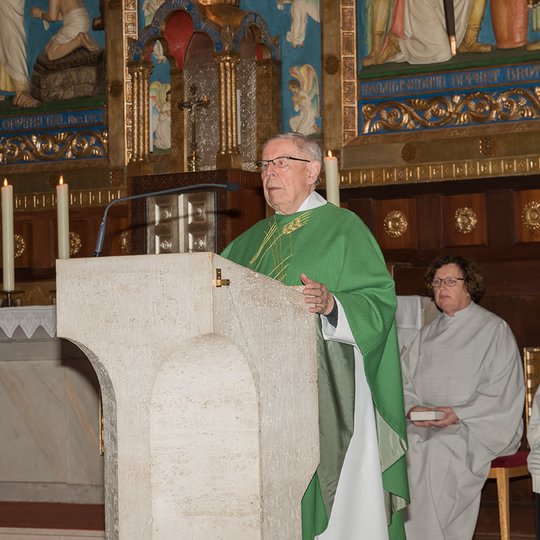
(316, 295)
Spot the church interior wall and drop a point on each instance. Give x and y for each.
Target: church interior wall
(437, 157)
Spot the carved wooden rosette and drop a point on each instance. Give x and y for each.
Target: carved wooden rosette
(395, 223)
(465, 220)
(530, 215)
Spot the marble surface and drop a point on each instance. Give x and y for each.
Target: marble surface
(50, 420)
(211, 428)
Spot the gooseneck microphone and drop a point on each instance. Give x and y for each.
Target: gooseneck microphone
(178, 189)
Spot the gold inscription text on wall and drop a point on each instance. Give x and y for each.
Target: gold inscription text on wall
(395, 223)
(465, 220)
(530, 215)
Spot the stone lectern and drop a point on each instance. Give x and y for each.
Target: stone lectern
(209, 394)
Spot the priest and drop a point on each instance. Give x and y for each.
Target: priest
(360, 485)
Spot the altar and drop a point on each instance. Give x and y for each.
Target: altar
(49, 400)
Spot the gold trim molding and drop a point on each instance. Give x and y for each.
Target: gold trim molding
(439, 172)
(77, 199)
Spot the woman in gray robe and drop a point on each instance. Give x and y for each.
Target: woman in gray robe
(466, 366)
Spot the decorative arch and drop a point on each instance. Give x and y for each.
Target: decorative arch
(175, 24)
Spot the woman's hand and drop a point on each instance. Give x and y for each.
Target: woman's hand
(450, 417)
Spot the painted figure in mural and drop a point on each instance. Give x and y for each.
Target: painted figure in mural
(470, 41)
(300, 10)
(160, 115)
(75, 27)
(305, 97)
(378, 29)
(163, 131)
(13, 68)
(149, 8)
(414, 31)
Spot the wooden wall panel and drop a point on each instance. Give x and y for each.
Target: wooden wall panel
(527, 205)
(392, 214)
(464, 220)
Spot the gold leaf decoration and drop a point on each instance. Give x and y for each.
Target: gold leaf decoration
(395, 223)
(465, 220)
(530, 215)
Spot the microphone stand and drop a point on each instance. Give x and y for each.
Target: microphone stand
(179, 189)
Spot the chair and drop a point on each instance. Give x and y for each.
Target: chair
(505, 467)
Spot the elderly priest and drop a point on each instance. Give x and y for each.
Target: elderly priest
(360, 485)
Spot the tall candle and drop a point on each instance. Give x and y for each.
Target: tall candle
(8, 251)
(62, 218)
(331, 175)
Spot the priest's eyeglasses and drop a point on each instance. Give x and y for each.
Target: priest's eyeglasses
(281, 162)
(447, 281)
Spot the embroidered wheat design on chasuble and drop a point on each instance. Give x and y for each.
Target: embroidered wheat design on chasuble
(278, 244)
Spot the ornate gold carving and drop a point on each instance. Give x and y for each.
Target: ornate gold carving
(349, 107)
(456, 110)
(75, 243)
(70, 145)
(140, 77)
(465, 220)
(229, 152)
(530, 215)
(395, 223)
(20, 245)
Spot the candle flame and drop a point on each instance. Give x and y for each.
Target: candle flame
(329, 153)
(6, 182)
(61, 181)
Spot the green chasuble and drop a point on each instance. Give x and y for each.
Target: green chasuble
(333, 246)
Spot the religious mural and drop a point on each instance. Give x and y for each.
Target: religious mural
(424, 66)
(297, 24)
(52, 79)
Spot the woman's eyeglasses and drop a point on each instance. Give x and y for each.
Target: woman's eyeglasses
(448, 282)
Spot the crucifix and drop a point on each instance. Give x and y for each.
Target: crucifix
(191, 106)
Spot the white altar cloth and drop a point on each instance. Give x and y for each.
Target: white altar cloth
(29, 319)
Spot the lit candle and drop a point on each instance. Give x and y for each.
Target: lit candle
(62, 217)
(331, 176)
(8, 251)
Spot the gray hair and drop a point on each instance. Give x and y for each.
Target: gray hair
(302, 143)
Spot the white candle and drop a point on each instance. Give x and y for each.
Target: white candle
(331, 176)
(8, 251)
(62, 217)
